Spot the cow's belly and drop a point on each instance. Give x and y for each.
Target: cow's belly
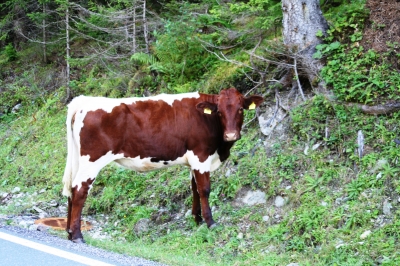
(189, 159)
(145, 164)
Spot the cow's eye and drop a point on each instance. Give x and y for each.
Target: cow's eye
(240, 110)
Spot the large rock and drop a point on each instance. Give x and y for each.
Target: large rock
(142, 226)
(254, 198)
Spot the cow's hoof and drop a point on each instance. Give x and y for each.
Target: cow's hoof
(78, 241)
(214, 226)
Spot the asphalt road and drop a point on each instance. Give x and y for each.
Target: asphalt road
(21, 247)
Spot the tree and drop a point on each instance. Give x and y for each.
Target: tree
(302, 23)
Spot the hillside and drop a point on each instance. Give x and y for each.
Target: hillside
(316, 184)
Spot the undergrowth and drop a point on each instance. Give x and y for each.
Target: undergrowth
(333, 192)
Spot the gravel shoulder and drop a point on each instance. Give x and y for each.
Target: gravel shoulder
(82, 249)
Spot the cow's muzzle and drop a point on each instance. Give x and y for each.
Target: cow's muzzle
(232, 136)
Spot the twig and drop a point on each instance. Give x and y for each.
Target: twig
(297, 79)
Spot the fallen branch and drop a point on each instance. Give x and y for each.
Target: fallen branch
(379, 109)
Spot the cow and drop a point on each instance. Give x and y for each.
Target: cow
(149, 133)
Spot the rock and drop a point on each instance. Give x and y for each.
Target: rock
(33, 227)
(379, 165)
(316, 146)
(188, 214)
(365, 234)
(16, 108)
(254, 198)
(43, 190)
(16, 189)
(306, 150)
(386, 208)
(53, 203)
(240, 235)
(265, 218)
(42, 228)
(25, 223)
(323, 203)
(62, 209)
(268, 121)
(228, 173)
(279, 202)
(293, 264)
(142, 226)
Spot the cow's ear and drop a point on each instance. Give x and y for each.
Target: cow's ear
(207, 107)
(252, 102)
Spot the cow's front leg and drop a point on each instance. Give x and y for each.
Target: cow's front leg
(78, 200)
(196, 209)
(203, 188)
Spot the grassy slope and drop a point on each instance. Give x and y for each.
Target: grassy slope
(312, 223)
(334, 196)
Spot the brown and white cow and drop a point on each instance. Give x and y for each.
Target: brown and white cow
(144, 134)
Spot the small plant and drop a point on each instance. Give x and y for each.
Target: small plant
(10, 52)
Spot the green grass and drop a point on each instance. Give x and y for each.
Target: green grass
(307, 231)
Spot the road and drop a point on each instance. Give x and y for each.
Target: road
(21, 247)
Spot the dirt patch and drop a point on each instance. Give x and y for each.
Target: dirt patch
(383, 26)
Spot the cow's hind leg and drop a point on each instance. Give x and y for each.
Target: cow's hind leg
(204, 188)
(79, 195)
(196, 209)
(69, 219)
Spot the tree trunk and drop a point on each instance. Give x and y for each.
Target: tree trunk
(302, 20)
(67, 51)
(44, 34)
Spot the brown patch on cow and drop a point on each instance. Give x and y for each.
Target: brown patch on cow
(150, 129)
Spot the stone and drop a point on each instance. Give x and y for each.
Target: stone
(365, 234)
(316, 146)
(379, 165)
(228, 173)
(279, 201)
(386, 208)
(254, 198)
(42, 228)
(269, 121)
(142, 226)
(16, 189)
(188, 214)
(265, 218)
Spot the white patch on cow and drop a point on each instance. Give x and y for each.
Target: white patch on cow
(89, 170)
(145, 164)
(107, 104)
(188, 159)
(209, 165)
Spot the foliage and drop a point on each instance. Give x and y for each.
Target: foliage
(10, 52)
(354, 74)
(332, 196)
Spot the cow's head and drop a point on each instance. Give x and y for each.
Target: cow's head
(229, 107)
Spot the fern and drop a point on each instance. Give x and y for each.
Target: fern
(149, 61)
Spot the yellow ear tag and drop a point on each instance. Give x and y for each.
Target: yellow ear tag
(207, 111)
(252, 106)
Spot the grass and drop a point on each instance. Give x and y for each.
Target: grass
(333, 197)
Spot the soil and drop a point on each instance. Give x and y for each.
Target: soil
(383, 26)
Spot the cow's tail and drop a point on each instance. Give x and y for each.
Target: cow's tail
(71, 149)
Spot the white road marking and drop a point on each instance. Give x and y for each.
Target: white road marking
(53, 251)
